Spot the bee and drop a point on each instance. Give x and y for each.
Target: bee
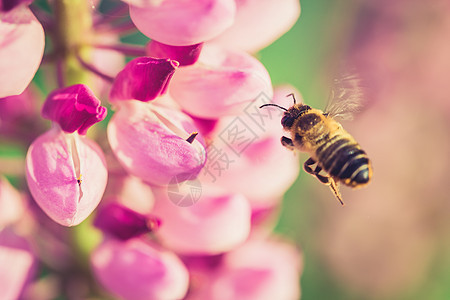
(331, 148)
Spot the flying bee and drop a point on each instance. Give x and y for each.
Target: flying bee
(331, 148)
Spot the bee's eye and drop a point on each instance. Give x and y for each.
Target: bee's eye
(287, 121)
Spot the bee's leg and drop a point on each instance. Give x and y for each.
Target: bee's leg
(307, 165)
(334, 187)
(287, 142)
(322, 178)
(325, 179)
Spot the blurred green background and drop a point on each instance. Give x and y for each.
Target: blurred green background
(391, 240)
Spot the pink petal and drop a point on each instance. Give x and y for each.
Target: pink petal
(143, 78)
(259, 23)
(135, 269)
(74, 108)
(185, 55)
(263, 169)
(260, 269)
(150, 142)
(212, 225)
(223, 82)
(12, 204)
(129, 191)
(181, 23)
(17, 264)
(52, 166)
(144, 3)
(22, 43)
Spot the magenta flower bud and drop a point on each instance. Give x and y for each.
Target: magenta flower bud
(212, 225)
(269, 20)
(259, 269)
(155, 144)
(136, 269)
(66, 174)
(223, 82)
(185, 55)
(7, 5)
(181, 23)
(74, 108)
(143, 79)
(22, 46)
(122, 222)
(17, 264)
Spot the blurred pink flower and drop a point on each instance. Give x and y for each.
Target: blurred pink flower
(12, 204)
(259, 269)
(17, 264)
(182, 23)
(212, 225)
(270, 168)
(66, 173)
(136, 269)
(223, 82)
(150, 142)
(259, 23)
(129, 191)
(22, 47)
(17, 107)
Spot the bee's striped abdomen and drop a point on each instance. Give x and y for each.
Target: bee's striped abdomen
(343, 159)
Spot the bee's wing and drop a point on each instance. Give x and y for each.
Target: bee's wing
(345, 97)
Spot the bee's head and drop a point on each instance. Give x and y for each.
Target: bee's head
(292, 114)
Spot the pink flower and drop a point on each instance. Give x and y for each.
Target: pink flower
(151, 142)
(270, 168)
(22, 47)
(129, 191)
(66, 173)
(259, 269)
(214, 224)
(143, 78)
(17, 264)
(223, 82)
(259, 23)
(137, 269)
(182, 23)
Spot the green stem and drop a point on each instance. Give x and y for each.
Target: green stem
(73, 32)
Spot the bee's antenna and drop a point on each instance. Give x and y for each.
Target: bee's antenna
(293, 97)
(273, 104)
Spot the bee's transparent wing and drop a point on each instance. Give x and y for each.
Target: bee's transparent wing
(345, 98)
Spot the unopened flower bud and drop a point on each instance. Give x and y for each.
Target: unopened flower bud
(143, 79)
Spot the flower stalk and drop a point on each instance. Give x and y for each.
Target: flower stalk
(72, 32)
